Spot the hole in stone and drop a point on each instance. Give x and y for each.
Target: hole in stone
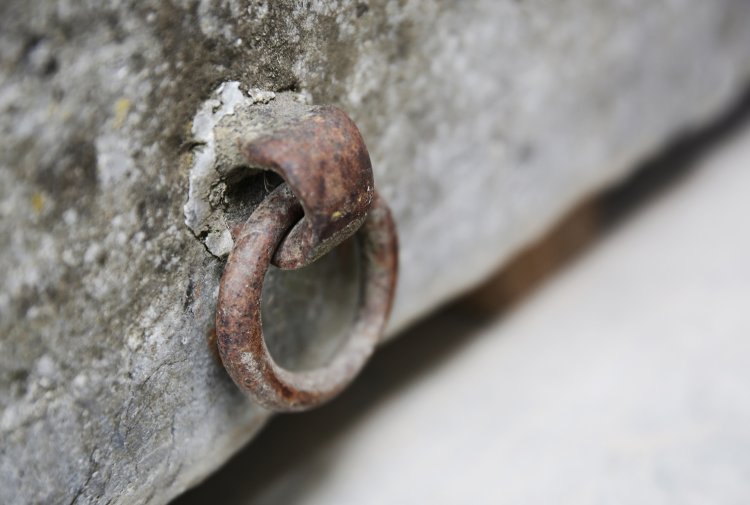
(307, 313)
(245, 189)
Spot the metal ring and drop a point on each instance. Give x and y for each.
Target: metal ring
(322, 156)
(238, 323)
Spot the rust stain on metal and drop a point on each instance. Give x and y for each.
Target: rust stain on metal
(323, 159)
(240, 334)
(328, 196)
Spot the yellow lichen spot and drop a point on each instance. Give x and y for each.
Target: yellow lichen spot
(122, 106)
(37, 202)
(337, 214)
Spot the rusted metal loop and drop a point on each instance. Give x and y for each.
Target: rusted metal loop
(324, 160)
(238, 322)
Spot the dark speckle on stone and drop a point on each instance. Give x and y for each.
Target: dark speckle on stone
(362, 8)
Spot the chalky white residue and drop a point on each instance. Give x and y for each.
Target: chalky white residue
(199, 214)
(202, 175)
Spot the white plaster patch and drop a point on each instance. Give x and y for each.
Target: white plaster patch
(219, 242)
(203, 174)
(261, 96)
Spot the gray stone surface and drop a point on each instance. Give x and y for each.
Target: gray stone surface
(485, 120)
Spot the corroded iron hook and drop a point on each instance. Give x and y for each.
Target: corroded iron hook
(327, 197)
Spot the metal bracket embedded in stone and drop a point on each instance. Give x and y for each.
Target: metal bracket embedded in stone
(328, 196)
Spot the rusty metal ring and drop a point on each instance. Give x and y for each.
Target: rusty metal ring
(238, 320)
(323, 158)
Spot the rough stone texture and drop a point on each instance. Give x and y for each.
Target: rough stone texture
(484, 120)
